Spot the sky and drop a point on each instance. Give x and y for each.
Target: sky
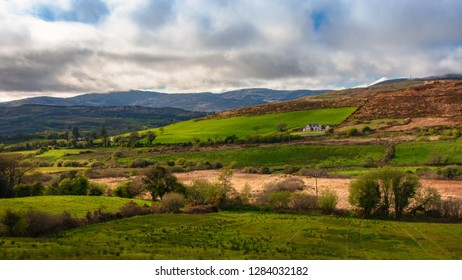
(67, 47)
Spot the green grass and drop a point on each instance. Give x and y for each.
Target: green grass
(212, 129)
(75, 205)
(419, 152)
(281, 155)
(244, 236)
(51, 170)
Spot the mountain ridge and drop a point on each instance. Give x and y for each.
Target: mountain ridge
(201, 102)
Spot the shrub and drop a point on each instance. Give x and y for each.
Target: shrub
(97, 164)
(289, 184)
(452, 207)
(246, 195)
(141, 163)
(172, 202)
(72, 163)
(23, 190)
(303, 201)
(427, 200)
(201, 209)
(12, 221)
(451, 172)
(123, 190)
(40, 223)
(280, 200)
(265, 170)
(177, 169)
(288, 169)
(117, 154)
(203, 192)
(67, 221)
(365, 194)
(251, 170)
(130, 189)
(160, 181)
(97, 189)
(366, 129)
(313, 172)
(327, 201)
(131, 209)
(436, 159)
(75, 186)
(352, 132)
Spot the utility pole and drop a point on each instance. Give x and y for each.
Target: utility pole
(316, 178)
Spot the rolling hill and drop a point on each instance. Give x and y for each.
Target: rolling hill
(29, 119)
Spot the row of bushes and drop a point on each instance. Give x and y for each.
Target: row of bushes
(70, 183)
(389, 191)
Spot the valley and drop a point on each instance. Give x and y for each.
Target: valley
(221, 182)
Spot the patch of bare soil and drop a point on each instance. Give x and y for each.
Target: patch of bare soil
(424, 122)
(111, 182)
(340, 186)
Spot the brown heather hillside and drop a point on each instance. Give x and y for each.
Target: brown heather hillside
(305, 103)
(437, 99)
(400, 100)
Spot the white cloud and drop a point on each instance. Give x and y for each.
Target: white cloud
(200, 45)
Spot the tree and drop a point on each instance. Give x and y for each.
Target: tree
(160, 181)
(403, 192)
(79, 185)
(327, 201)
(281, 127)
(104, 135)
(133, 138)
(11, 173)
(151, 136)
(161, 130)
(365, 194)
(75, 132)
(396, 189)
(427, 199)
(256, 128)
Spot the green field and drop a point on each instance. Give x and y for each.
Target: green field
(419, 152)
(75, 205)
(244, 236)
(281, 155)
(242, 126)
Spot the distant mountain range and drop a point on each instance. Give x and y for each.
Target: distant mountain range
(430, 78)
(200, 102)
(30, 119)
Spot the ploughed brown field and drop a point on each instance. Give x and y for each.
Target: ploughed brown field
(447, 188)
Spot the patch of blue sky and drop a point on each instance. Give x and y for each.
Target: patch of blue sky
(319, 17)
(83, 11)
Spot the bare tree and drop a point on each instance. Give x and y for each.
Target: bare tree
(11, 173)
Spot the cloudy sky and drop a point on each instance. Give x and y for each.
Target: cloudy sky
(68, 47)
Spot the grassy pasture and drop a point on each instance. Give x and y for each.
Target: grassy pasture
(244, 236)
(241, 126)
(75, 205)
(419, 152)
(281, 155)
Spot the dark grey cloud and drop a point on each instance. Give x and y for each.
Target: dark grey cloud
(40, 71)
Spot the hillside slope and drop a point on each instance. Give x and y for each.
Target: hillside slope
(437, 99)
(117, 119)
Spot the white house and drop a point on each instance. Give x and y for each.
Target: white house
(315, 127)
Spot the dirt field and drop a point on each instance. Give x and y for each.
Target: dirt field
(423, 122)
(257, 181)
